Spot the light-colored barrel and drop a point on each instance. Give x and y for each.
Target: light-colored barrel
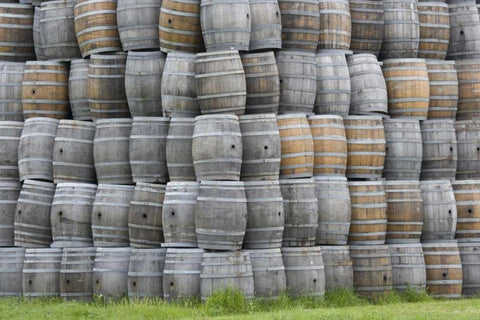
(41, 273)
(367, 26)
(11, 76)
(110, 272)
(467, 199)
(464, 31)
(145, 273)
(181, 275)
(77, 90)
(179, 149)
(468, 88)
(469, 255)
(16, 32)
(76, 269)
(408, 267)
(9, 193)
(268, 272)
(468, 147)
(335, 25)
(266, 25)
(10, 133)
(11, 267)
(443, 82)
(338, 267)
(434, 29)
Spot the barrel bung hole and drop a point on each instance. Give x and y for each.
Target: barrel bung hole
(277, 13)
(97, 282)
(233, 146)
(314, 280)
(461, 32)
(248, 16)
(279, 214)
(68, 281)
(60, 213)
(134, 284)
(173, 213)
(470, 210)
(385, 278)
(265, 147)
(449, 211)
(19, 211)
(478, 148)
(99, 214)
(30, 282)
(169, 21)
(34, 91)
(445, 274)
(61, 150)
(171, 284)
(451, 148)
(145, 216)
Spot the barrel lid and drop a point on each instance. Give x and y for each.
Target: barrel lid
(222, 183)
(325, 116)
(296, 181)
(151, 119)
(46, 63)
(76, 185)
(216, 116)
(76, 123)
(266, 116)
(105, 186)
(261, 183)
(146, 54)
(291, 116)
(42, 119)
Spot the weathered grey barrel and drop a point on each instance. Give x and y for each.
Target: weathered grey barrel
(110, 215)
(301, 212)
(143, 79)
(147, 149)
(76, 270)
(268, 272)
(468, 145)
(434, 29)
(41, 273)
(266, 25)
(298, 76)
(111, 151)
(262, 78)
(468, 88)
(464, 30)
(305, 271)
(408, 267)
(470, 257)
(35, 149)
(11, 267)
(439, 149)
(335, 25)
(369, 91)
(77, 90)
(220, 82)
(71, 215)
(265, 219)
(178, 217)
(443, 82)
(178, 93)
(145, 273)
(138, 24)
(261, 147)
(16, 29)
(334, 210)
(338, 267)
(467, 198)
(179, 149)
(439, 210)
(73, 152)
(217, 147)
(221, 215)
(110, 272)
(145, 215)
(367, 26)
(11, 75)
(10, 133)
(225, 24)
(9, 193)
(181, 275)
(32, 226)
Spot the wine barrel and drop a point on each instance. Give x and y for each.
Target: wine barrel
(11, 76)
(468, 89)
(464, 30)
(443, 89)
(467, 199)
(408, 267)
(10, 133)
(147, 149)
(468, 145)
(179, 149)
(268, 272)
(220, 82)
(16, 32)
(143, 78)
(266, 25)
(469, 255)
(434, 29)
(73, 152)
(145, 273)
(9, 193)
(71, 215)
(110, 272)
(110, 215)
(76, 269)
(261, 147)
(444, 269)
(335, 25)
(181, 274)
(41, 273)
(221, 215)
(11, 267)
(367, 26)
(77, 90)
(338, 267)
(96, 26)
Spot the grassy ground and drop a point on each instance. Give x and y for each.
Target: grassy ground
(231, 305)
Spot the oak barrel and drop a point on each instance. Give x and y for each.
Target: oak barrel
(268, 272)
(468, 146)
(11, 76)
(10, 133)
(443, 82)
(11, 267)
(110, 272)
(467, 199)
(76, 269)
(145, 273)
(367, 26)
(77, 90)
(16, 32)
(41, 273)
(9, 193)
(469, 255)
(335, 25)
(338, 267)
(266, 23)
(468, 72)
(464, 30)
(179, 149)
(408, 267)
(434, 22)
(181, 275)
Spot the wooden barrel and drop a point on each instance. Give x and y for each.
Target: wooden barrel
(467, 199)
(468, 88)
(220, 82)
(77, 90)
(71, 215)
(96, 26)
(178, 218)
(217, 147)
(439, 149)
(110, 151)
(106, 86)
(408, 267)
(468, 145)
(439, 210)
(10, 133)
(298, 77)
(296, 146)
(369, 213)
(434, 29)
(221, 215)
(369, 91)
(110, 215)
(366, 146)
(261, 147)
(41, 273)
(11, 267)
(367, 26)
(179, 26)
(335, 25)
(407, 87)
(338, 267)
(147, 149)
(45, 90)
(73, 152)
(11, 76)
(404, 149)
(143, 78)
(301, 212)
(268, 272)
(266, 24)
(76, 269)
(305, 271)
(181, 275)
(35, 149)
(16, 32)
(464, 30)
(444, 269)
(443, 89)
(138, 24)
(9, 193)
(469, 254)
(110, 272)
(179, 149)
(265, 219)
(300, 24)
(262, 79)
(334, 210)
(179, 96)
(145, 273)
(145, 226)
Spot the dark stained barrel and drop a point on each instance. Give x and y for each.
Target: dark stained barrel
(145, 273)
(367, 26)
(335, 25)
(11, 76)
(268, 272)
(10, 133)
(434, 29)
(41, 273)
(181, 274)
(468, 146)
(408, 267)
(467, 199)
(16, 32)
(110, 272)
(76, 270)
(469, 254)
(11, 267)
(464, 30)
(9, 193)
(443, 82)
(179, 149)
(77, 90)
(468, 88)
(338, 267)
(266, 31)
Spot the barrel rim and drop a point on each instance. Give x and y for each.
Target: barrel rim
(153, 54)
(109, 121)
(399, 120)
(261, 183)
(333, 52)
(46, 63)
(366, 183)
(240, 184)
(41, 119)
(76, 122)
(401, 182)
(324, 116)
(268, 54)
(296, 181)
(257, 116)
(108, 56)
(434, 121)
(31, 182)
(11, 124)
(255, 252)
(76, 184)
(180, 119)
(183, 183)
(292, 116)
(464, 182)
(335, 248)
(107, 186)
(440, 62)
(67, 250)
(289, 51)
(151, 119)
(302, 249)
(217, 53)
(329, 178)
(216, 116)
(355, 117)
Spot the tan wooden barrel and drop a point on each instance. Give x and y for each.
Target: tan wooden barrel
(77, 90)
(468, 72)
(468, 145)
(11, 76)
(9, 193)
(179, 149)
(464, 30)
(16, 32)
(338, 267)
(467, 198)
(110, 272)
(266, 23)
(434, 29)
(11, 268)
(443, 81)
(10, 133)
(145, 273)
(181, 274)
(367, 26)
(469, 254)
(268, 272)
(408, 267)
(45, 90)
(335, 25)
(76, 269)
(41, 273)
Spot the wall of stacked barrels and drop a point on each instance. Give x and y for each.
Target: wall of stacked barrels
(173, 148)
